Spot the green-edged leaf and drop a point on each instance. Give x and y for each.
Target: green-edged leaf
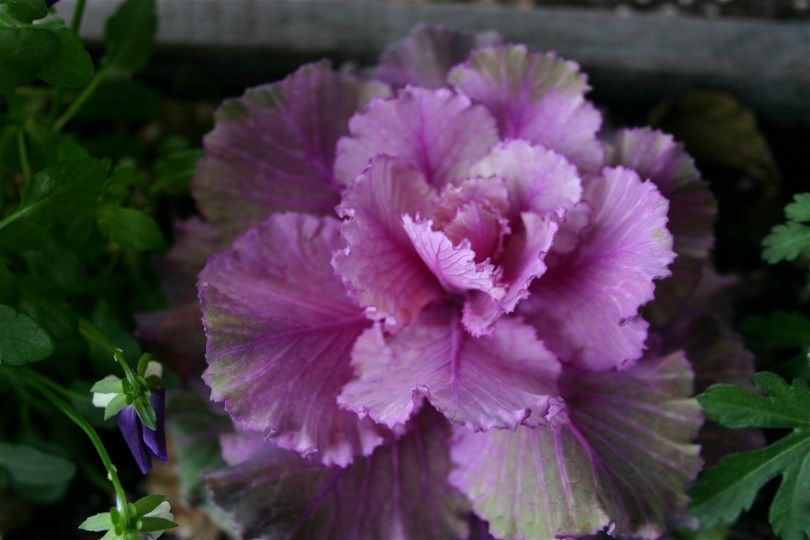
(129, 36)
(108, 385)
(624, 460)
(40, 477)
(26, 10)
(114, 406)
(151, 524)
(21, 339)
(130, 228)
(790, 511)
(799, 209)
(146, 412)
(785, 406)
(778, 330)
(786, 242)
(71, 67)
(146, 504)
(723, 491)
(97, 523)
(24, 51)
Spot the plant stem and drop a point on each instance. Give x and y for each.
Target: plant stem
(78, 13)
(23, 151)
(43, 386)
(80, 100)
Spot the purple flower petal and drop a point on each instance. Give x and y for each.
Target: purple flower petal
(585, 306)
(454, 266)
(523, 261)
(435, 132)
(400, 491)
(280, 329)
(272, 150)
(538, 180)
(536, 97)
(497, 381)
(156, 440)
(131, 428)
(624, 460)
(380, 265)
(427, 53)
(692, 210)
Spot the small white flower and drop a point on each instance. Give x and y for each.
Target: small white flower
(102, 400)
(153, 369)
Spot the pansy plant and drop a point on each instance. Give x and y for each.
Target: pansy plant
(430, 307)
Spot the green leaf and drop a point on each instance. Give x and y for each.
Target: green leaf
(71, 67)
(785, 406)
(21, 339)
(786, 242)
(40, 477)
(146, 504)
(725, 490)
(781, 329)
(26, 10)
(108, 385)
(97, 523)
(174, 171)
(130, 228)
(129, 36)
(61, 193)
(145, 411)
(151, 524)
(799, 209)
(114, 406)
(790, 511)
(24, 51)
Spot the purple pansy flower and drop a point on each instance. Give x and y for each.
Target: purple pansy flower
(445, 292)
(143, 442)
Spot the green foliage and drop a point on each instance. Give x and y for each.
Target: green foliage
(40, 477)
(129, 37)
(725, 490)
(791, 240)
(21, 339)
(130, 228)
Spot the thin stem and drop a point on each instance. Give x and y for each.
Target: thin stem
(80, 100)
(23, 151)
(43, 386)
(78, 13)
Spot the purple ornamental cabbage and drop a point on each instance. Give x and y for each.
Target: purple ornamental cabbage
(430, 314)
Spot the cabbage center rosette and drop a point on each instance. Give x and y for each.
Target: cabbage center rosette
(436, 299)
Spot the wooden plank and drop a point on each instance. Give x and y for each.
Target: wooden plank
(767, 62)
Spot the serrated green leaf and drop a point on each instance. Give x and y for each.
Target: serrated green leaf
(790, 511)
(115, 406)
(26, 10)
(786, 242)
(785, 407)
(97, 523)
(72, 66)
(146, 504)
(151, 524)
(129, 36)
(725, 490)
(130, 228)
(799, 209)
(21, 339)
(780, 329)
(24, 51)
(108, 385)
(40, 477)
